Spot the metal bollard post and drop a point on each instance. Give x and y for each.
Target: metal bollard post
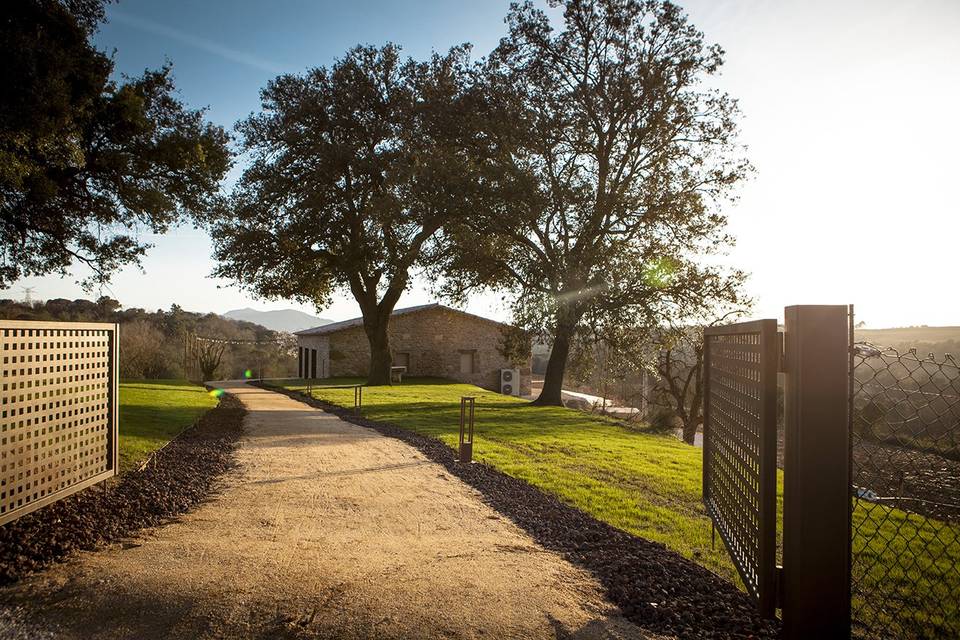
(467, 405)
(357, 399)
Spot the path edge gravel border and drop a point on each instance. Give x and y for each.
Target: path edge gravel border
(185, 472)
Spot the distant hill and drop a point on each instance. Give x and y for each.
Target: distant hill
(280, 320)
(904, 335)
(938, 341)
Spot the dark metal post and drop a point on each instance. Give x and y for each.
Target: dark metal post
(706, 421)
(816, 497)
(467, 405)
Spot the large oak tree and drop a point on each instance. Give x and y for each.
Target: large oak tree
(354, 172)
(608, 160)
(86, 162)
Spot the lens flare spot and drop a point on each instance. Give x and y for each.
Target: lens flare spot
(216, 393)
(660, 273)
(248, 374)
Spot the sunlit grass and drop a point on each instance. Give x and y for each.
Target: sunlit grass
(651, 486)
(909, 568)
(152, 412)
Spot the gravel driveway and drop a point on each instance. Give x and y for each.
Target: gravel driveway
(326, 529)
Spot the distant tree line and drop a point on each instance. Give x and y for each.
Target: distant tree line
(163, 344)
(658, 372)
(940, 349)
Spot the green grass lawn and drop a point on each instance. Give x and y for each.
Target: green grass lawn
(647, 484)
(152, 412)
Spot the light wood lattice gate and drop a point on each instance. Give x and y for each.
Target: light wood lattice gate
(58, 411)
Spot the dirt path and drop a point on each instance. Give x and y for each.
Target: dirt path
(326, 529)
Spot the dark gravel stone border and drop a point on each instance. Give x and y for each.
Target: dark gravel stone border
(654, 587)
(178, 477)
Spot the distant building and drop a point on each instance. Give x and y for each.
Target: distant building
(429, 340)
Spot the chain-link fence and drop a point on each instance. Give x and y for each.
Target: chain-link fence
(906, 486)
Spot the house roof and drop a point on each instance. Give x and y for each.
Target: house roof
(334, 327)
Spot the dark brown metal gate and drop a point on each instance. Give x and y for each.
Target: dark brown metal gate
(741, 364)
(740, 449)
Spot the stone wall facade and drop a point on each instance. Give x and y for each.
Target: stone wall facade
(436, 341)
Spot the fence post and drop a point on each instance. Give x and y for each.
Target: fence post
(114, 373)
(467, 405)
(816, 495)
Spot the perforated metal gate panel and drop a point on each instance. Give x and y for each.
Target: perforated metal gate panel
(58, 411)
(739, 454)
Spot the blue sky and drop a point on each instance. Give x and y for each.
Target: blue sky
(849, 114)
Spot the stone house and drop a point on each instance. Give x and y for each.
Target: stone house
(429, 340)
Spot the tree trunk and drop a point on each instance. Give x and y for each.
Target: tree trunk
(693, 415)
(380, 359)
(557, 364)
(690, 430)
(376, 321)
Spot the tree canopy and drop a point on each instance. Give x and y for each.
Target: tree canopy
(354, 171)
(608, 160)
(87, 161)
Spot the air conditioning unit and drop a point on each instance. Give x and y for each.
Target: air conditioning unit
(510, 382)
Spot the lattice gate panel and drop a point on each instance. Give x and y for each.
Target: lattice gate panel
(58, 411)
(739, 454)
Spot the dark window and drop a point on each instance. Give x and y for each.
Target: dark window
(313, 363)
(300, 362)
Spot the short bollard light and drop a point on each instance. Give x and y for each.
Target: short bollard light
(357, 399)
(467, 404)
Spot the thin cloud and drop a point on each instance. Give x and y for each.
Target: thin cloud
(233, 55)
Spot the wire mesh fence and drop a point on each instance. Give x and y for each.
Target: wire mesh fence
(905, 448)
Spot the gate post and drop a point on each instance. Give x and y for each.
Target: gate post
(467, 406)
(816, 492)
